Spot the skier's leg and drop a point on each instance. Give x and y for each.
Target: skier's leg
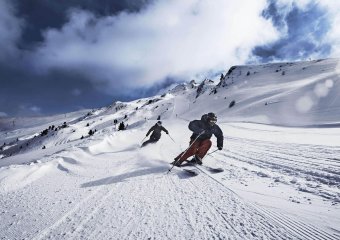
(153, 140)
(186, 154)
(203, 148)
(146, 142)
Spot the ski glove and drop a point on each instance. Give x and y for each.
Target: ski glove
(219, 148)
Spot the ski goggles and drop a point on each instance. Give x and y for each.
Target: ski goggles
(212, 121)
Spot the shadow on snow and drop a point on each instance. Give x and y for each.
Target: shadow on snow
(125, 176)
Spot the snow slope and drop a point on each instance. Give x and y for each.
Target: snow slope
(280, 159)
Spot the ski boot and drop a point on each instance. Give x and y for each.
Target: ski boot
(196, 160)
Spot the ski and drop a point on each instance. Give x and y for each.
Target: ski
(213, 170)
(210, 169)
(188, 170)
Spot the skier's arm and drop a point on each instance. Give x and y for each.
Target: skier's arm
(219, 135)
(195, 127)
(166, 131)
(151, 129)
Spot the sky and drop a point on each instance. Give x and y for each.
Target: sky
(66, 55)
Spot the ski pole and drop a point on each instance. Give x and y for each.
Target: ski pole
(207, 155)
(212, 152)
(171, 138)
(185, 152)
(143, 139)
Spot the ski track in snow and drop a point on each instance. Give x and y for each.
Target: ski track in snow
(318, 166)
(89, 195)
(296, 229)
(149, 204)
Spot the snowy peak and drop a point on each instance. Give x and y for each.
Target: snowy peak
(279, 72)
(204, 86)
(181, 88)
(295, 94)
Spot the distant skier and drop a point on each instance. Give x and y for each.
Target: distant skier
(121, 126)
(200, 139)
(156, 133)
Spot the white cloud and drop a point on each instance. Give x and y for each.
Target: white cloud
(302, 4)
(29, 110)
(10, 31)
(333, 14)
(333, 36)
(3, 114)
(35, 109)
(332, 8)
(169, 38)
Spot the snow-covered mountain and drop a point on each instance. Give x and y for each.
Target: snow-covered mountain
(280, 160)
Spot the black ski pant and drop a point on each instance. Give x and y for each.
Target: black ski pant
(151, 140)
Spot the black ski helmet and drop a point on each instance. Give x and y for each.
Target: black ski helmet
(159, 123)
(212, 118)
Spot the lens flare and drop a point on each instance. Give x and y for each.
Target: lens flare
(304, 104)
(321, 90)
(337, 68)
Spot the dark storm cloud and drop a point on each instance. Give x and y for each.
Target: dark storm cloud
(304, 31)
(40, 15)
(22, 93)
(26, 92)
(10, 32)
